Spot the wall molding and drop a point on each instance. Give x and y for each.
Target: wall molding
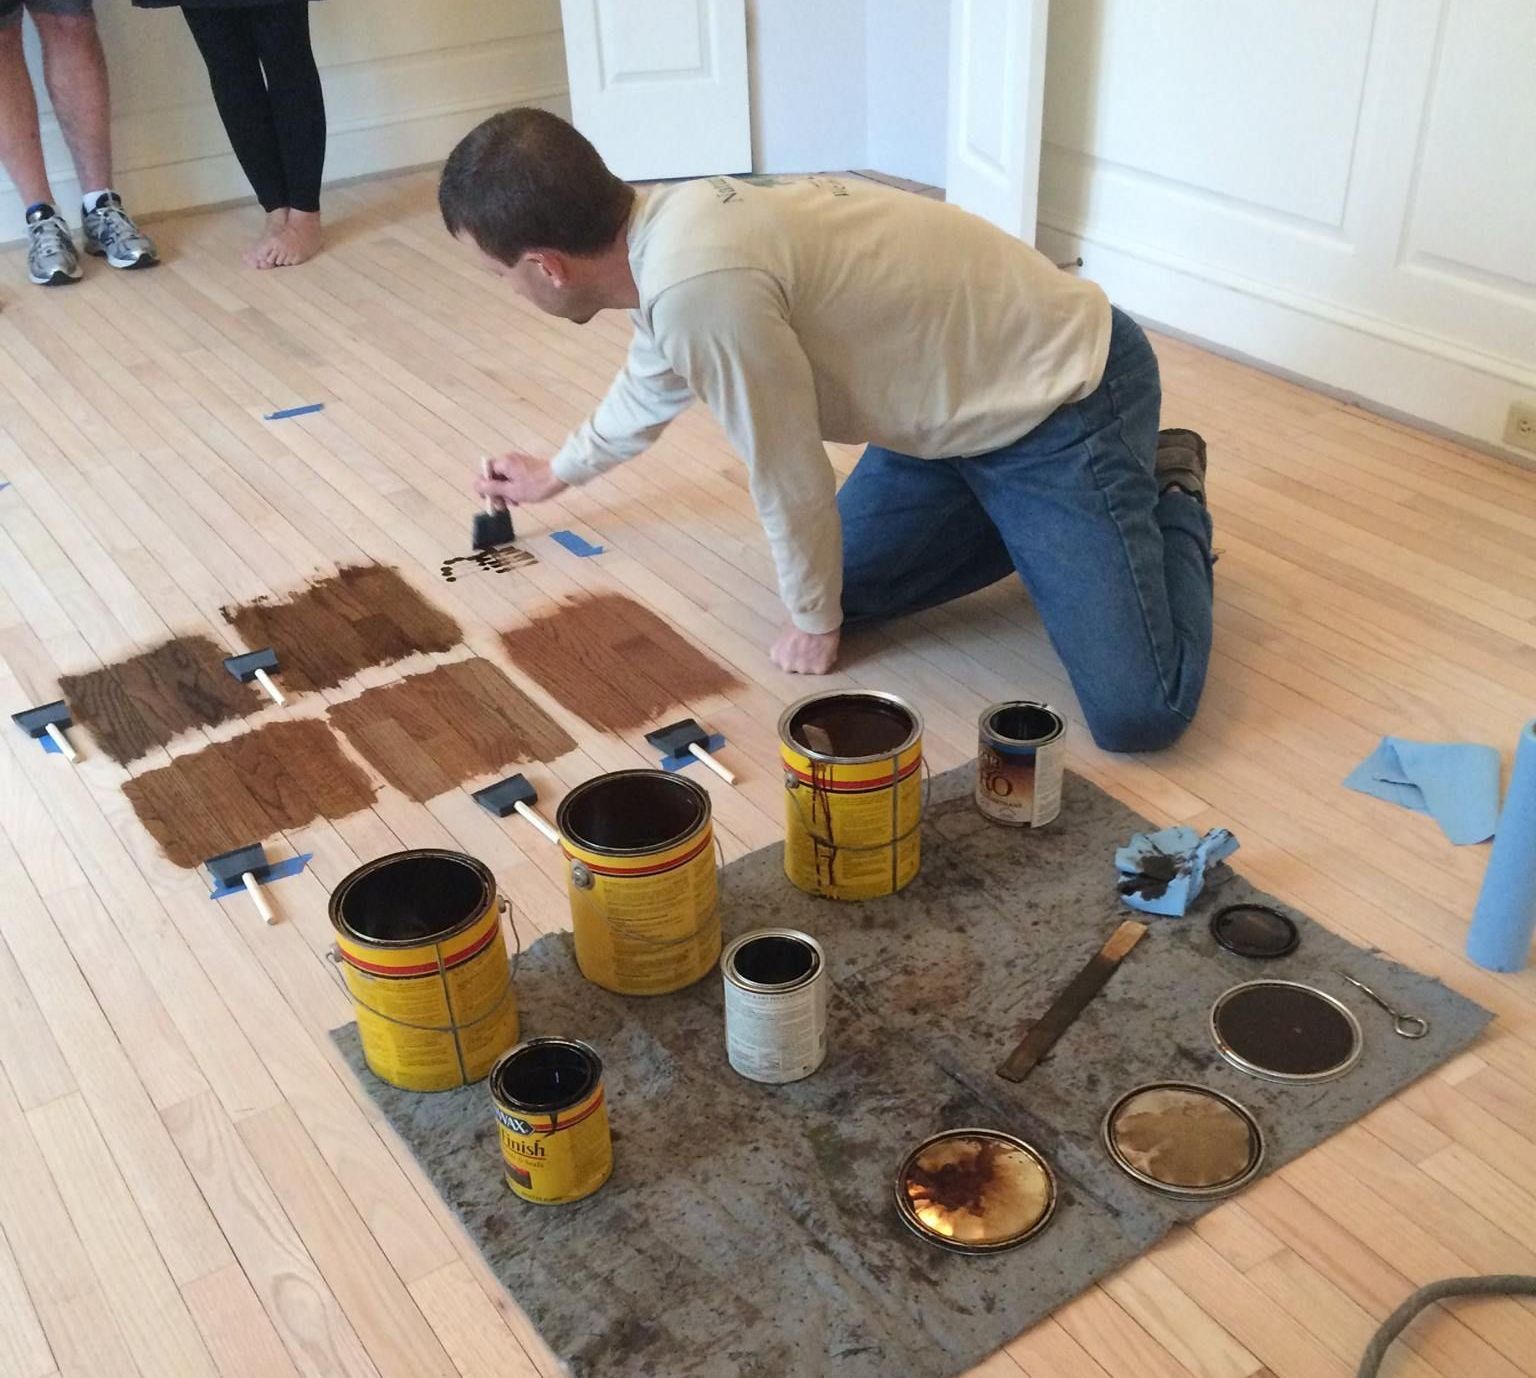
(1366, 359)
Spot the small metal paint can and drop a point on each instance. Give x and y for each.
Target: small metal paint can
(1020, 755)
(775, 1005)
(552, 1119)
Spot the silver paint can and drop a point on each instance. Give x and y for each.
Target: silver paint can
(1021, 753)
(775, 1004)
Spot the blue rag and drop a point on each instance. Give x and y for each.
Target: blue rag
(1165, 871)
(1456, 783)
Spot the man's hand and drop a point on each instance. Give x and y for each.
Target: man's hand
(519, 479)
(806, 653)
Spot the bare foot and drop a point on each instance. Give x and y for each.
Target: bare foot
(300, 240)
(260, 254)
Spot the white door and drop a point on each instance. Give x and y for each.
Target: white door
(660, 86)
(996, 98)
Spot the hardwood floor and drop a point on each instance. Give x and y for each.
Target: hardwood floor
(191, 1184)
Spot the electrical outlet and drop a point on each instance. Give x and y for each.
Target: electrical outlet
(1520, 427)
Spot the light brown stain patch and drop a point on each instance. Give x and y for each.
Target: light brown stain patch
(613, 662)
(137, 705)
(430, 733)
(233, 793)
(361, 616)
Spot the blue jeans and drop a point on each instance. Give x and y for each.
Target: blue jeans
(1120, 575)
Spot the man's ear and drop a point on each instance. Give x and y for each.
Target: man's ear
(552, 263)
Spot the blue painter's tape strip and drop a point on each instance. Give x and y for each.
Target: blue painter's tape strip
(575, 544)
(294, 411)
(49, 745)
(279, 870)
(688, 758)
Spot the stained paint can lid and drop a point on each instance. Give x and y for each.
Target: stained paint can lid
(1255, 930)
(1183, 1140)
(1286, 1031)
(975, 1191)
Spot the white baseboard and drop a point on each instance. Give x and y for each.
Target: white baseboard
(1398, 371)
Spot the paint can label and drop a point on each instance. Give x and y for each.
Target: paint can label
(646, 920)
(1020, 761)
(775, 1026)
(554, 1156)
(431, 1015)
(852, 827)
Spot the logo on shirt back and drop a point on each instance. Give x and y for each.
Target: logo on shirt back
(726, 192)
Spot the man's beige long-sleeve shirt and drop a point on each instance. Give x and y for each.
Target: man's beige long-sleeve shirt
(830, 309)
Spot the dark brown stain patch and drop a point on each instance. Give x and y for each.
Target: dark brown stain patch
(430, 733)
(137, 705)
(613, 662)
(362, 615)
(233, 793)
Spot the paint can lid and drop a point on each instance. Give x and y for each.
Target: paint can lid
(1285, 1031)
(1255, 930)
(975, 1191)
(1183, 1140)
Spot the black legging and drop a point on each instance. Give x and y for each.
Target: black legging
(267, 89)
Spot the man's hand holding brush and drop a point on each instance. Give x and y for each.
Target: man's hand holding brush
(518, 479)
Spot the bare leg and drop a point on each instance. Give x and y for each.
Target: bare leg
(76, 71)
(21, 147)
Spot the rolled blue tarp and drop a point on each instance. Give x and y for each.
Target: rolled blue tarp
(1505, 917)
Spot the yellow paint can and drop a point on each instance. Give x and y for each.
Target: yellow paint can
(552, 1118)
(641, 874)
(853, 791)
(420, 947)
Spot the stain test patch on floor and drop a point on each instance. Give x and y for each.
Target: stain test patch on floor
(613, 662)
(361, 616)
(430, 733)
(136, 705)
(233, 793)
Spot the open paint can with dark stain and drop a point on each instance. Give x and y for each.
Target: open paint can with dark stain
(552, 1119)
(1021, 755)
(641, 876)
(775, 1005)
(420, 947)
(975, 1191)
(1285, 1031)
(853, 762)
(1184, 1140)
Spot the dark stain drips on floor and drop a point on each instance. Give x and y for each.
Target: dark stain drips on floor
(499, 560)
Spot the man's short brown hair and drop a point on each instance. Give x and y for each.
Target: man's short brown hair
(525, 179)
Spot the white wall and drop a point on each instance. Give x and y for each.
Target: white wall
(403, 80)
(849, 84)
(907, 77)
(806, 66)
(1344, 190)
